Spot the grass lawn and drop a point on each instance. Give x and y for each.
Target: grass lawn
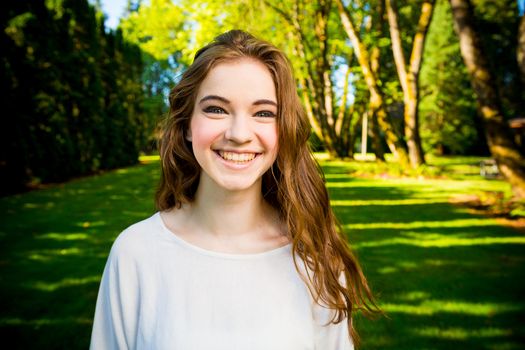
(448, 279)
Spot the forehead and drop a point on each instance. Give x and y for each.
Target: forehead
(241, 79)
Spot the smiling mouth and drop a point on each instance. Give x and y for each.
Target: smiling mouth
(237, 157)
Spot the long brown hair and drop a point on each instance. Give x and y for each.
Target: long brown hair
(293, 186)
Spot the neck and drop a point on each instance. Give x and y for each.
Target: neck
(224, 213)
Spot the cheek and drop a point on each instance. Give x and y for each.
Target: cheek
(270, 138)
(203, 134)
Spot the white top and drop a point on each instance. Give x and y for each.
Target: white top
(161, 292)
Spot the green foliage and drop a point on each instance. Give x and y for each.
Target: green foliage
(98, 95)
(158, 28)
(171, 32)
(449, 121)
(72, 94)
(449, 124)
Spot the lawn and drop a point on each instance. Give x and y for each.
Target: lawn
(447, 278)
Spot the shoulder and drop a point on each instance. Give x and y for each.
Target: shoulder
(136, 239)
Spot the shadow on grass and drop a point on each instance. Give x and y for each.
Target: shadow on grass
(54, 244)
(445, 331)
(447, 279)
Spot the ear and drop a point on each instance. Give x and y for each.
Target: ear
(188, 135)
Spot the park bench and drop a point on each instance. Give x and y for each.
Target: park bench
(488, 168)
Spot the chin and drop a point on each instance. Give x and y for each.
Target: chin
(238, 184)
(235, 187)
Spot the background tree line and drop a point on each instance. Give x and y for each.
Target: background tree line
(396, 64)
(71, 93)
(84, 98)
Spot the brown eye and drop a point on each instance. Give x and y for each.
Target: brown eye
(214, 110)
(265, 114)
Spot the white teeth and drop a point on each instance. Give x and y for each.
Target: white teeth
(237, 157)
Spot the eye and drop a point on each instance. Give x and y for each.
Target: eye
(265, 114)
(214, 110)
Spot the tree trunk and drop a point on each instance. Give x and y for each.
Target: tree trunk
(376, 96)
(377, 146)
(521, 49)
(501, 143)
(344, 119)
(375, 52)
(409, 80)
(312, 46)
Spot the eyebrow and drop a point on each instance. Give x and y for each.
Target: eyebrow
(265, 102)
(214, 97)
(225, 100)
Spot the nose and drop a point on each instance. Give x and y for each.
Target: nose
(239, 130)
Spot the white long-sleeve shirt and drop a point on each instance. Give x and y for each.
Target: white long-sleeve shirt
(161, 292)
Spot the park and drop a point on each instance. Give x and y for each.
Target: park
(418, 135)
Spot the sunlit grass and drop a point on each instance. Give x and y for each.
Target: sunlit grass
(441, 241)
(413, 295)
(461, 333)
(64, 237)
(53, 246)
(149, 158)
(66, 282)
(457, 223)
(432, 307)
(352, 203)
(446, 278)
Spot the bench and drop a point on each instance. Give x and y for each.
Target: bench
(488, 168)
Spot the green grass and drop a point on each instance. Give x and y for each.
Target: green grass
(53, 247)
(447, 279)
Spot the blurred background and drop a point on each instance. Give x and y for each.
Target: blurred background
(417, 121)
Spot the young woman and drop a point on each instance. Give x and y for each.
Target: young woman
(244, 252)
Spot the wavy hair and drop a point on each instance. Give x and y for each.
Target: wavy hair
(294, 185)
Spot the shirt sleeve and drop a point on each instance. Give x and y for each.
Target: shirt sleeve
(330, 336)
(116, 313)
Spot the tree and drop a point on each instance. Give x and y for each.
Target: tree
(307, 33)
(377, 98)
(510, 160)
(72, 93)
(497, 25)
(409, 78)
(449, 120)
(521, 48)
(376, 27)
(315, 41)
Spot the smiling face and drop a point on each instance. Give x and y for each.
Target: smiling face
(233, 128)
